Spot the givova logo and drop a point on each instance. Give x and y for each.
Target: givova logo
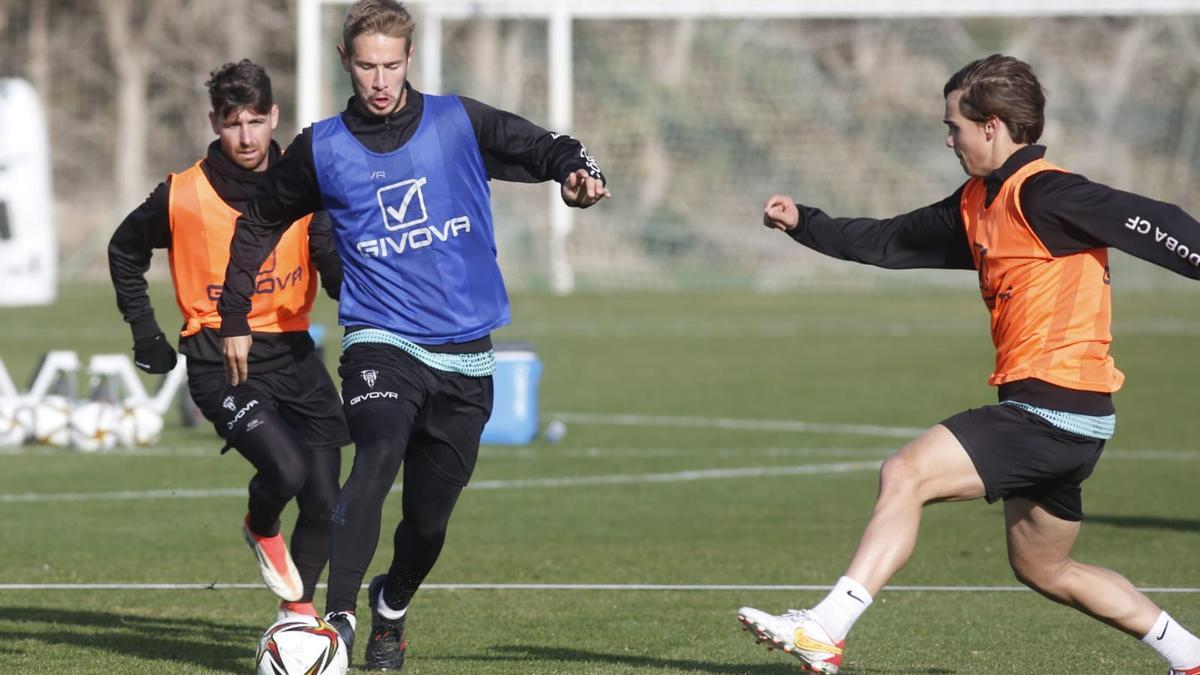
(242, 413)
(267, 281)
(402, 206)
(373, 395)
(396, 203)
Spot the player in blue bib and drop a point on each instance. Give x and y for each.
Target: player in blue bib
(404, 177)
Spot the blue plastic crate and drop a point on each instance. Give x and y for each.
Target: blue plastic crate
(514, 418)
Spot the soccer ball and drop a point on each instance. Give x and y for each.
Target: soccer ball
(12, 431)
(49, 420)
(94, 426)
(138, 425)
(301, 645)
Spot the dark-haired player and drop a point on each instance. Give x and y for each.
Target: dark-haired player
(286, 417)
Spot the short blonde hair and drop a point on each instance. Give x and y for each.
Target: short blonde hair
(383, 17)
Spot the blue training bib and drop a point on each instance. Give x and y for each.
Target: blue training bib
(414, 229)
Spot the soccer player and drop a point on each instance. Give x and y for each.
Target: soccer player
(1038, 237)
(286, 417)
(404, 177)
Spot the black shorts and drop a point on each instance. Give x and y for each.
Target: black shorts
(1019, 454)
(301, 391)
(394, 401)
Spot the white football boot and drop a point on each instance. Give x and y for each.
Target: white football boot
(796, 633)
(274, 563)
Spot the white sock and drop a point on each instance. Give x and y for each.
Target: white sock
(1174, 643)
(386, 612)
(842, 607)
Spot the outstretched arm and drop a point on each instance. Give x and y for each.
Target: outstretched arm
(930, 237)
(1070, 213)
(515, 149)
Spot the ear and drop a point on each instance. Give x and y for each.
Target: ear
(344, 57)
(212, 121)
(274, 116)
(994, 127)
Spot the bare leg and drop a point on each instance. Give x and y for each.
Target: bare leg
(1039, 550)
(932, 468)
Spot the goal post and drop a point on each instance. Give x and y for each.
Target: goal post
(699, 109)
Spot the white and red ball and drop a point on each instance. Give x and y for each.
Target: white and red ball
(48, 420)
(301, 645)
(12, 430)
(94, 426)
(138, 425)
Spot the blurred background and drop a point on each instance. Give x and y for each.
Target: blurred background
(695, 116)
(729, 394)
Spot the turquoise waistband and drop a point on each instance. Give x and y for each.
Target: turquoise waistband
(1091, 426)
(476, 364)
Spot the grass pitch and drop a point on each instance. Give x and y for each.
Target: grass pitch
(685, 471)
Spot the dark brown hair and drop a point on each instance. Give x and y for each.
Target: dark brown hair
(244, 84)
(1005, 87)
(385, 17)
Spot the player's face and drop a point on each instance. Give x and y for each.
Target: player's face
(378, 66)
(968, 139)
(245, 136)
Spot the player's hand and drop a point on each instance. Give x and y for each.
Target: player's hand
(154, 354)
(581, 189)
(781, 213)
(237, 351)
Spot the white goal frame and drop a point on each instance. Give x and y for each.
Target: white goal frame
(559, 15)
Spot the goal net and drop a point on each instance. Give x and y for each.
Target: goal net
(697, 119)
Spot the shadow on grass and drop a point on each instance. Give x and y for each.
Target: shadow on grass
(222, 647)
(580, 659)
(1147, 522)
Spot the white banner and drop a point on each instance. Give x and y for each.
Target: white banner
(28, 246)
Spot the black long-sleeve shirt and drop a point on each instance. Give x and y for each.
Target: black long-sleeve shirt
(148, 227)
(513, 149)
(1067, 212)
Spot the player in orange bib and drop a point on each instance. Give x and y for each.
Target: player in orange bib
(1038, 238)
(287, 418)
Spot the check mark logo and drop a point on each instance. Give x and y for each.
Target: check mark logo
(413, 189)
(851, 594)
(400, 217)
(1164, 631)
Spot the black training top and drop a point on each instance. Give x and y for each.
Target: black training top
(513, 149)
(1068, 212)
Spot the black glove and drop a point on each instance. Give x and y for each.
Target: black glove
(154, 354)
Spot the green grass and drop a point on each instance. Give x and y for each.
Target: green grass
(902, 358)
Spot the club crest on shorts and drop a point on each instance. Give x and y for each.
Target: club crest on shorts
(369, 376)
(229, 403)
